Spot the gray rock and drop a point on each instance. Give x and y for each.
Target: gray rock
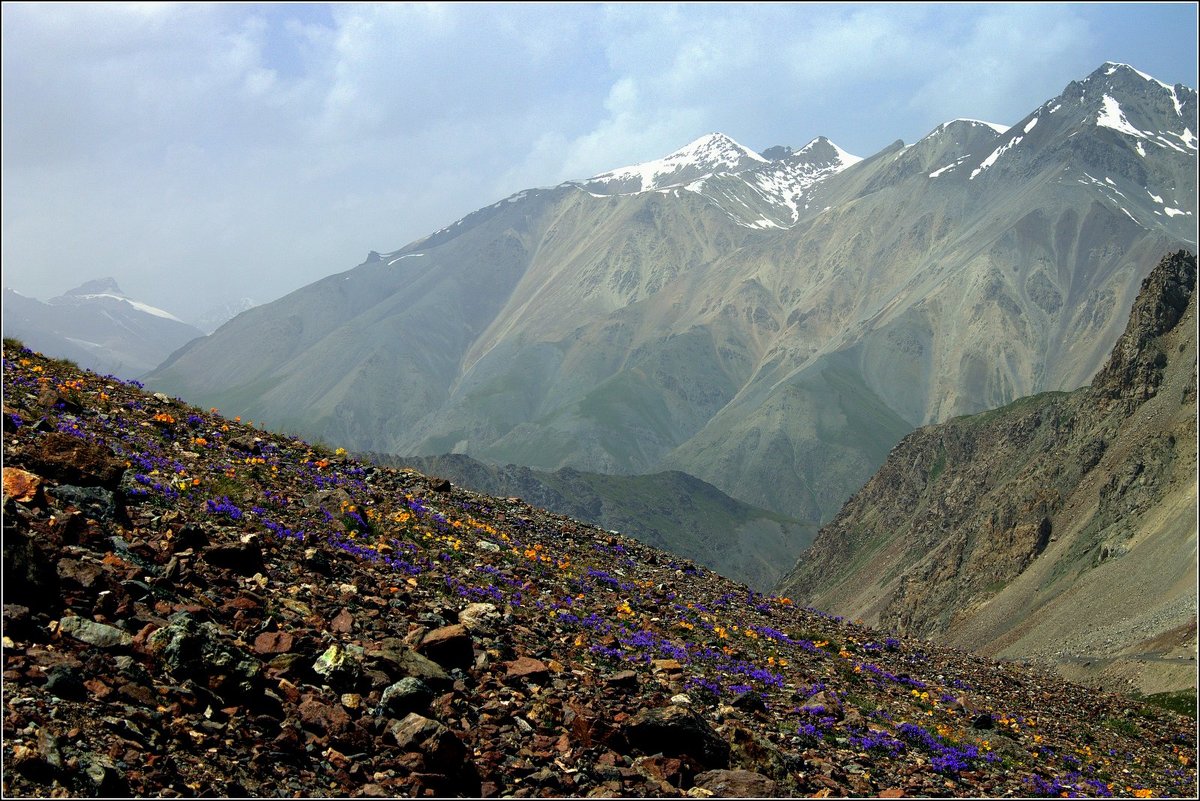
(93, 633)
(737, 784)
(95, 502)
(192, 649)
(410, 694)
(675, 731)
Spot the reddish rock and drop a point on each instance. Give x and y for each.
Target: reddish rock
(449, 646)
(525, 667)
(737, 784)
(21, 485)
(330, 718)
(661, 768)
(273, 642)
(72, 460)
(342, 623)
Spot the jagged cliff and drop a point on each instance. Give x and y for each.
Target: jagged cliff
(1061, 527)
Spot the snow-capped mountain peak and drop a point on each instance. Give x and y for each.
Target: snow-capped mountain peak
(710, 154)
(822, 151)
(101, 289)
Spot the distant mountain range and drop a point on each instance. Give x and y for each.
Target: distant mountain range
(1061, 527)
(772, 324)
(97, 326)
(669, 510)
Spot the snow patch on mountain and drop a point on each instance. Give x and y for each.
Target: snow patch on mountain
(787, 181)
(996, 154)
(712, 153)
(1000, 129)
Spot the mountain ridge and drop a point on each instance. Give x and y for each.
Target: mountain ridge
(671, 510)
(774, 340)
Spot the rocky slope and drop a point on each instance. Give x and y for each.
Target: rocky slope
(672, 511)
(1061, 527)
(772, 327)
(193, 606)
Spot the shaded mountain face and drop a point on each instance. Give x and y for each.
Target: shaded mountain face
(99, 327)
(772, 327)
(195, 604)
(671, 510)
(1060, 528)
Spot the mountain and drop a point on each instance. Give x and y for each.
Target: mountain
(99, 327)
(1061, 527)
(196, 606)
(218, 315)
(671, 511)
(772, 327)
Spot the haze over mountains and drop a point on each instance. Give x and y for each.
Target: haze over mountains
(99, 327)
(771, 326)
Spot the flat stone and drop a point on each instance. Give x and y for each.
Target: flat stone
(737, 784)
(98, 634)
(525, 667)
(21, 485)
(273, 642)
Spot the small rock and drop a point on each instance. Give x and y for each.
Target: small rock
(674, 731)
(479, 616)
(524, 667)
(337, 665)
(93, 633)
(65, 681)
(737, 784)
(273, 642)
(449, 646)
(95, 502)
(408, 695)
(622, 678)
(342, 623)
(21, 485)
(983, 721)
(243, 558)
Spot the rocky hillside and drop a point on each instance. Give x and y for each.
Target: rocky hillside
(196, 606)
(672, 511)
(1061, 527)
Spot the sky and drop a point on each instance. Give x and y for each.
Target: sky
(203, 153)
